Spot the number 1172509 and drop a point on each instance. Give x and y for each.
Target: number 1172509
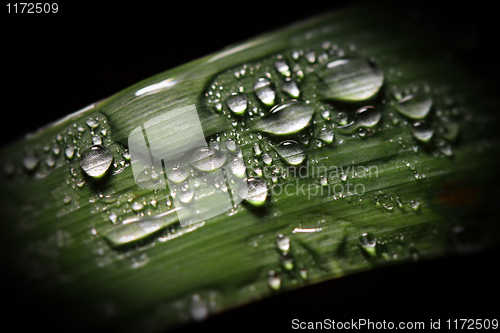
(32, 8)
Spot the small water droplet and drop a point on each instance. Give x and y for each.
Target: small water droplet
(208, 159)
(264, 91)
(283, 243)
(267, 159)
(257, 191)
(92, 123)
(237, 103)
(414, 106)
(367, 116)
(176, 174)
(291, 88)
(292, 152)
(30, 161)
(274, 282)
(137, 206)
(113, 218)
(282, 67)
(67, 199)
(198, 308)
(69, 151)
(96, 140)
(422, 131)
(310, 56)
(326, 134)
(415, 205)
(96, 160)
(50, 161)
(186, 194)
(368, 243)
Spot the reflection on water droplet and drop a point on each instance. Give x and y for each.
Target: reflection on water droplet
(208, 159)
(264, 92)
(257, 191)
(96, 160)
(414, 106)
(367, 116)
(353, 79)
(30, 161)
(292, 152)
(368, 243)
(291, 88)
(422, 131)
(237, 103)
(285, 119)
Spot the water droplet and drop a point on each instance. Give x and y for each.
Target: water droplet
(353, 79)
(256, 149)
(176, 174)
(303, 274)
(198, 308)
(414, 106)
(445, 147)
(367, 116)
(137, 206)
(208, 159)
(422, 131)
(285, 119)
(237, 167)
(186, 194)
(415, 205)
(263, 90)
(237, 103)
(449, 130)
(231, 145)
(30, 161)
(50, 161)
(66, 200)
(113, 218)
(283, 243)
(69, 151)
(96, 140)
(291, 88)
(310, 56)
(274, 282)
(267, 159)
(257, 191)
(326, 134)
(292, 152)
(287, 263)
(96, 160)
(282, 67)
(368, 243)
(56, 150)
(92, 123)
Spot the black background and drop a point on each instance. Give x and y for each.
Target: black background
(55, 64)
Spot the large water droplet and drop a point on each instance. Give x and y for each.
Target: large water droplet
(414, 106)
(237, 104)
(366, 116)
(263, 90)
(30, 161)
(208, 159)
(96, 160)
(422, 131)
(291, 151)
(353, 79)
(257, 191)
(285, 119)
(176, 174)
(282, 67)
